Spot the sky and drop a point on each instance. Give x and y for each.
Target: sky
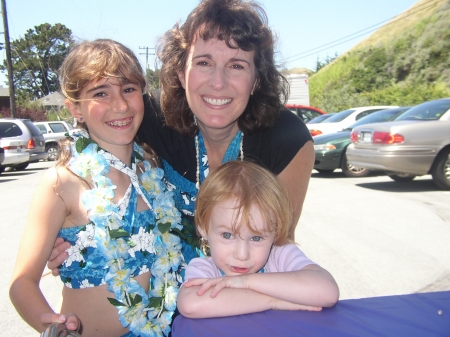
(306, 30)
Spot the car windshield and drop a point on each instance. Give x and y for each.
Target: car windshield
(379, 116)
(319, 119)
(426, 111)
(338, 117)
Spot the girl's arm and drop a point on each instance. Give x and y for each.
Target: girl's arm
(46, 216)
(311, 287)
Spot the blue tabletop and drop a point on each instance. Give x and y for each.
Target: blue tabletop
(421, 315)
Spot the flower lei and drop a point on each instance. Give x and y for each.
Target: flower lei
(145, 314)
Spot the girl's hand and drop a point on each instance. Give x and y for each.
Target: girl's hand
(71, 321)
(284, 305)
(217, 284)
(58, 255)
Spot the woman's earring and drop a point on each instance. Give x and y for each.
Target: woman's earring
(81, 119)
(254, 87)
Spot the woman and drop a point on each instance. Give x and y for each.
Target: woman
(221, 100)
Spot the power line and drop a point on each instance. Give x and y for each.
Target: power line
(350, 37)
(146, 55)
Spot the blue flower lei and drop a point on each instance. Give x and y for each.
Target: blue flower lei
(145, 314)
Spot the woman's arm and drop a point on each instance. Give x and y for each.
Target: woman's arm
(46, 216)
(295, 178)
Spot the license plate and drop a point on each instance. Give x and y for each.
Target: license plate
(367, 137)
(19, 149)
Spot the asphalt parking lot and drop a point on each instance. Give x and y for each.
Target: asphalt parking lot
(377, 237)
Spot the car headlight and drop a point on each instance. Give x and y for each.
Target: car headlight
(324, 147)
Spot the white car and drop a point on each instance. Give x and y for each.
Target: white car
(13, 153)
(53, 131)
(343, 119)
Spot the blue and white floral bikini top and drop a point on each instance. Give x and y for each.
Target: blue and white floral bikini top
(86, 265)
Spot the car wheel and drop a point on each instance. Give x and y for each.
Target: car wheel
(324, 171)
(21, 167)
(52, 151)
(2, 169)
(441, 171)
(351, 170)
(401, 177)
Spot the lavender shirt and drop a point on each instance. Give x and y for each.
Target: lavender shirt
(281, 259)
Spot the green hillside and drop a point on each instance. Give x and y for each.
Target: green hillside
(405, 62)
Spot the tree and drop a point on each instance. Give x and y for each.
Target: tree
(328, 60)
(36, 59)
(152, 78)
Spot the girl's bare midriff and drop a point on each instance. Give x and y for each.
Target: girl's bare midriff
(98, 316)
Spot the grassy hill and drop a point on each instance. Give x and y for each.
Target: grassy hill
(405, 62)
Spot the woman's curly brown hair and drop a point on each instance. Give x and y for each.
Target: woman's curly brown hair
(242, 25)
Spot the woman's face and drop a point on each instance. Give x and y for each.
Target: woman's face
(218, 82)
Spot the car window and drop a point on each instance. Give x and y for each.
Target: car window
(57, 127)
(426, 111)
(42, 128)
(365, 113)
(33, 129)
(338, 117)
(379, 116)
(9, 129)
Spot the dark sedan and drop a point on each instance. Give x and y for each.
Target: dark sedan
(331, 148)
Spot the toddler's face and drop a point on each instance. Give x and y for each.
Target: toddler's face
(238, 253)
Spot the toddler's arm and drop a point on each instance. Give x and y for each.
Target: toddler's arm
(229, 302)
(310, 288)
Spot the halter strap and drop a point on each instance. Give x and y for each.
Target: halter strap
(115, 162)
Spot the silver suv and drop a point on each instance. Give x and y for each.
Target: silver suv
(53, 132)
(27, 136)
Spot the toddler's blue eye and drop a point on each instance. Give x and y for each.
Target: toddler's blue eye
(227, 235)
(256, 238)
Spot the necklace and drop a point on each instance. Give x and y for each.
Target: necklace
(145, 314)
(226, 158)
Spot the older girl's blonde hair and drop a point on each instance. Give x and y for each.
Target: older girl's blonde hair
(249, 184)
(92, 60)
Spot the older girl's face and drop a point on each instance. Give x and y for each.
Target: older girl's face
(218, 82)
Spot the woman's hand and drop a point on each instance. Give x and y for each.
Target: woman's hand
(71, 321)
(58, 255)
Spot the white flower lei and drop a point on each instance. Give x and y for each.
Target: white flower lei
(145, 314)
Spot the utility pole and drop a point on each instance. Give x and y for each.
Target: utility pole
(146, 55)
(12, 93)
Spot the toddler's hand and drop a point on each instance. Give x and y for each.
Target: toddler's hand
(217, 284)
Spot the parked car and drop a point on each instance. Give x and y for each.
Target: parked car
(53, 132)
(306, 113)
(331, 148)
(416, 143)
(320, 118)
(11, 154)
(343, 119)
(24, 134)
